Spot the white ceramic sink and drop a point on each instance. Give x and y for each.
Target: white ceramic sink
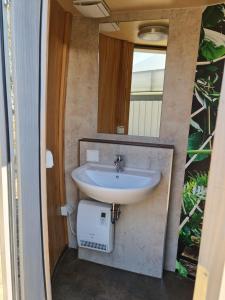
(103, 183)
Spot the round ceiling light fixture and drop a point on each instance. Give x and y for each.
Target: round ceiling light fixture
(153, 33)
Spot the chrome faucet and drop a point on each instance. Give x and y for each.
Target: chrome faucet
(119, 163)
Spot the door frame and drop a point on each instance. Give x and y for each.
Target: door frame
(22, 126)
(6, 244)
(43, 114)
(8, 207)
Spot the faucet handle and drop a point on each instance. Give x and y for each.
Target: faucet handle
(118, 157)
(119, 162)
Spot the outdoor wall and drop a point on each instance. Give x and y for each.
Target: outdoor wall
(82, 100)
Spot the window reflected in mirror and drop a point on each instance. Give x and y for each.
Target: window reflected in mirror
(146, 92)
(132, 58)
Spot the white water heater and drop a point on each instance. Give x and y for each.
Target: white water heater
(94, 227)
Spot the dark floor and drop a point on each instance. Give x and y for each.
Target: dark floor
(76, 279)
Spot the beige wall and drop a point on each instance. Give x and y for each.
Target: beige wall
(82, 99)
(141, 229)
(1, 280)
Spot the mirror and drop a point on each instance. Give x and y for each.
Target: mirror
(132, 58)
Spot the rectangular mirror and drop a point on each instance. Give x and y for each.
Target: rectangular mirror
(132, 58)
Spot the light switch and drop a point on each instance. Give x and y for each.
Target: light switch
(92, 155)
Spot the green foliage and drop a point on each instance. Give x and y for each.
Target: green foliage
(206, 94)
(181, 269)
(194, 192)
(211, 68)
(195, 140)
(205, 90)
(205, 105)
(213, 15)
(202, 36)
(210, 51)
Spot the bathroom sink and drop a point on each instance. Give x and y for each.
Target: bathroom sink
(103, 183)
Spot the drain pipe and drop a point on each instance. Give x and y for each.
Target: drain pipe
(115, 213)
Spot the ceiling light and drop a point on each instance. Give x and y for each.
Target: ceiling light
(153, 33)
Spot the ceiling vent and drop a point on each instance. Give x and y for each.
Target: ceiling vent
(92, 8)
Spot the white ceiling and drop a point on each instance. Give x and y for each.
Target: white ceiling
(129, 5)
(129, 32)
(125, 5)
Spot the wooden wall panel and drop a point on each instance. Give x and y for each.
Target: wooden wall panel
(59, 35)
(115, 70)
(109, 66)
(124, 85)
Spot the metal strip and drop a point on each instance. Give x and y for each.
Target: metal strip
(6, 219)
(146, 97)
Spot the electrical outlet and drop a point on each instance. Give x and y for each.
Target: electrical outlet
(92, 155)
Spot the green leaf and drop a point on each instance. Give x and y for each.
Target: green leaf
(185, 235)
(212, 68)
(195, 141)
(181, 269)
(196, 125)
(195, 189)
(212, 16)
(205, 90)
(210, 51)
(202, 36)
